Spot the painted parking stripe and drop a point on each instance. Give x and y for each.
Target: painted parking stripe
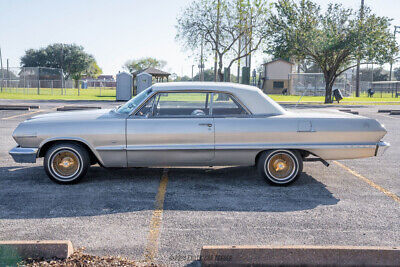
(29, 113)
(371, 183)
(19, 115)
(156, 220)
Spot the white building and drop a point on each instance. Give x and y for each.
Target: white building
(276, 76)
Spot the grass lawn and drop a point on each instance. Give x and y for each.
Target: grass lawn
(109, 94)
(58, 94)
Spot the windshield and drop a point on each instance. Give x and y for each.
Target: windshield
(129, 106)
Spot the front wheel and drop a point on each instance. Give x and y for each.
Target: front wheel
(66, 163)
(280, 167)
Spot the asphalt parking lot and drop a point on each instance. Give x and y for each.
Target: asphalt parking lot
(167, 215)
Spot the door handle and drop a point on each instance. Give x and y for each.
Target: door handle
(205, 124)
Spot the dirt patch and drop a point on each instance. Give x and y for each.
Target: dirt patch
(80, 259)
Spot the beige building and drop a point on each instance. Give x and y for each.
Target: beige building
(276, 76)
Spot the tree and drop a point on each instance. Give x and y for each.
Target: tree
(175, 78)
(333, 39)
(396, 73)
(308, 66)
(71, 58)
(94, 70)
(377, 74)
(238, 20)
(208, 75)
(143, 63)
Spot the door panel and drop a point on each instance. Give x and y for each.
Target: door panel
(169, 141)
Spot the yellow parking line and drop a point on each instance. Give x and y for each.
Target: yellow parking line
(18, 168)
(156, 220)
(368, 181)
(24, 114)
(19, 115)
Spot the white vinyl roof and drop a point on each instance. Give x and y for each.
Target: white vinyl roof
(252, 97)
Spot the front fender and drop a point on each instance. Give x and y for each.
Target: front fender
(45, 142)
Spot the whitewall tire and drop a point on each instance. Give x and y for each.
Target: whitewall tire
(66, 163)
(280, 167)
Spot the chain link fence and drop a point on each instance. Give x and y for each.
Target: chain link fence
(313, 84)
(50, 81)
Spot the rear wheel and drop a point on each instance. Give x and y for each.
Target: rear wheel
(66, 163)
(280, 167)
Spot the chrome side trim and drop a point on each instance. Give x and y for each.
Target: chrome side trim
(381, 148)
(154, 92)
(293, 146)
(237, 147)
(24, 154)
(110, 148)
(169, 147)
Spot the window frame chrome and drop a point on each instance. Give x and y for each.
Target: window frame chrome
(133, 114)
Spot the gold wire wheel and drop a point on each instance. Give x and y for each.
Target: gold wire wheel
(65, 163)
(281, 166)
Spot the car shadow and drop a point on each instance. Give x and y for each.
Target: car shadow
(241, 189)
(26, 192)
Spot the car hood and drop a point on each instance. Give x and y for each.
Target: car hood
(74, 115)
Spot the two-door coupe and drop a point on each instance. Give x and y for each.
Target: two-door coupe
(195, 124)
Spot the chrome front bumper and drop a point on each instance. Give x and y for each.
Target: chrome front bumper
(381, 147)
(24, 154)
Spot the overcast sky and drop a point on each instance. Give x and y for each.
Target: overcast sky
(118, 30)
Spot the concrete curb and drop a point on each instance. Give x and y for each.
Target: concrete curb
(11, 251)
(353, 112)
(13, 108)
(18, 107)
(349, 111)
(299, 256)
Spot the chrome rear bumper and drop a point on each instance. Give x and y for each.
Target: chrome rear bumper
(381, 147)
(24, 154)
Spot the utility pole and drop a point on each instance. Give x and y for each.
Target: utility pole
(372, 73)
(192, 72)
(8, 74)
(216, 42)
(240, 40)
(2, 71)
(249, 32)
(358, 60)
(391, 62)
(238, 63)
(201, 65)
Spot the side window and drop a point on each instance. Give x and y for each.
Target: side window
(182, 104)
(225, 105)
(147, 109)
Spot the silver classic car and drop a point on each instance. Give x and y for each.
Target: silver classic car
(195, 124)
